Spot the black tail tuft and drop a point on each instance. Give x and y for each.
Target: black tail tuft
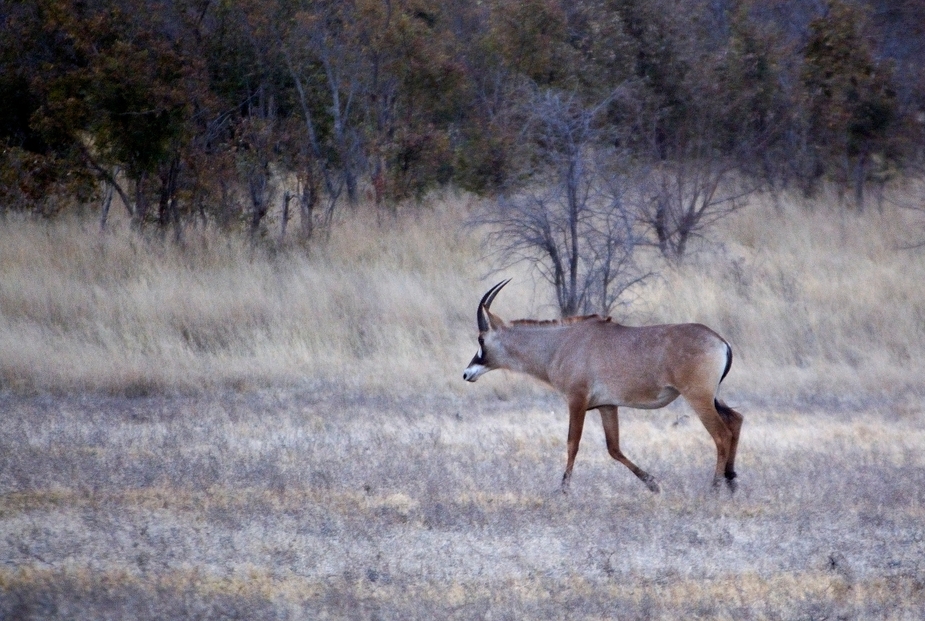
(727, 413)
(728, 362)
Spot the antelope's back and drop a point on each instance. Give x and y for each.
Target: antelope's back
(622, 361)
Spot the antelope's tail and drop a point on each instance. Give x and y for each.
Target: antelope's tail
(728, 362)
(724, 410)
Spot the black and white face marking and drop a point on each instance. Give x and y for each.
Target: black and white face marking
(478, 366)
(484, 320)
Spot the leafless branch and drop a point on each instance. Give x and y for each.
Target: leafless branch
(573, 227)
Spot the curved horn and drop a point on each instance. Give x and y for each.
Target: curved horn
(487, 299)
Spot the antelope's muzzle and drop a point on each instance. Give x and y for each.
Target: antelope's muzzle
(476, 367)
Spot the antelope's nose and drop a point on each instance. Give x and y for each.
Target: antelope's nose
(473, 371)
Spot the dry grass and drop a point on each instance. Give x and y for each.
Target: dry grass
(817, 304)
(120, 314)
(216, 432)
(288, 504)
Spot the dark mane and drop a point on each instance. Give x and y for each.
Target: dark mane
(565, 321)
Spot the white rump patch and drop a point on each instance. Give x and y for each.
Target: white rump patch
(724, 358)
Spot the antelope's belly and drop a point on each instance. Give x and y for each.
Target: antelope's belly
(645, 398)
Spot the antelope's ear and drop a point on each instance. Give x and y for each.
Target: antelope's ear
(494, 322)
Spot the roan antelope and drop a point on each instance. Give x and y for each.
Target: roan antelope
(599, 364)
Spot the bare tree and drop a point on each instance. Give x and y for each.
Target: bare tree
(341, 72)
(689, 178)
(680, 199)
(572, 225)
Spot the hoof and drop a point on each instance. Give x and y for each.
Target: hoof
(732, 485)
(652, 484)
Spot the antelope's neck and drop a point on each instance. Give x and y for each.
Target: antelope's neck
(530, 349)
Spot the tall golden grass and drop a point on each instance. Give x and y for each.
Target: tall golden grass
(84, 310)
(817, 301)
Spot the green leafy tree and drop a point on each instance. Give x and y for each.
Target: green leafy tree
(116, 93)
(850, 100)
(41, 167)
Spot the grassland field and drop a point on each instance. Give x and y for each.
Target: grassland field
(213, 431)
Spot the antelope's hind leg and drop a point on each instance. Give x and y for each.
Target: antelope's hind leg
(611, 421)
(722, 434)
(734, 421)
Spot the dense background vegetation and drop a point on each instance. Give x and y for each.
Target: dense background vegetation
(218, 112)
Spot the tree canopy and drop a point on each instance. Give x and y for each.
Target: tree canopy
(207, 108)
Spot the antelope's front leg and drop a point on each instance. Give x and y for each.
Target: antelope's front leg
(577, 408)
(611, 420)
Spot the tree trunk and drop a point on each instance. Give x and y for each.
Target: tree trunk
(141, 202)
(167, 205)
(107, 202)
(860, 177)
(286, 215)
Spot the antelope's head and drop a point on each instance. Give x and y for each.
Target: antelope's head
(484, 360)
